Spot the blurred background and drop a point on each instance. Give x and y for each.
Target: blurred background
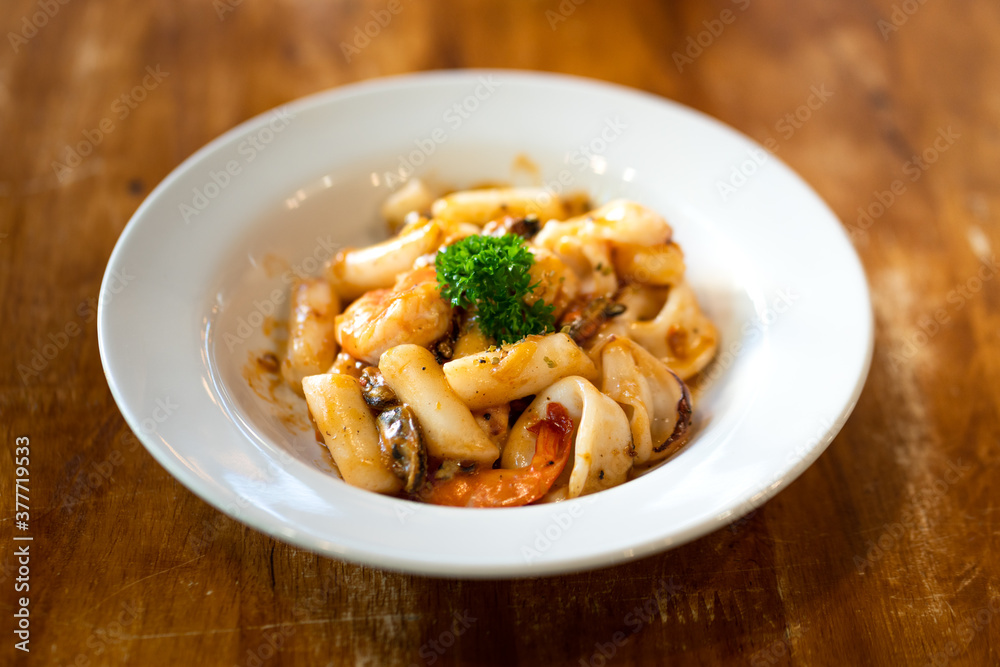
(890, 109)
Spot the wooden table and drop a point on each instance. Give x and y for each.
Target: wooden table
(884, 552)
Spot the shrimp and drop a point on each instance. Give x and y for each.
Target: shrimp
(311, 346)
(513, 488)
(554, 281)
(411, 312)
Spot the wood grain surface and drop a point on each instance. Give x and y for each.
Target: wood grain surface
(884, 552)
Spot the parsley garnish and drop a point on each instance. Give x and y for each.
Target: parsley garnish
(491, 275)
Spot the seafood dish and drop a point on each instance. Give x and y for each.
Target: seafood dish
(505, 346)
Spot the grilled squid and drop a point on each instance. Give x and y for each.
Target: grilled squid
(603, 438)
(657, 401)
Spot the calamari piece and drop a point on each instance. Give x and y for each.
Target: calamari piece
(349, 431)
(414, 196)
(516, 370)
(603, 440)
(618, 221)
(640, 303)
(354, 271)
(680, 335)
(482, 206)
(312, 344)
(657, 401)
(449, 428)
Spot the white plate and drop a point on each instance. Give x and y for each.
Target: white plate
(190, 281)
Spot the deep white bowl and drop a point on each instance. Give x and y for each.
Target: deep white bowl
(205, 260)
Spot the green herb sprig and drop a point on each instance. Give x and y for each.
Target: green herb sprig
(492, 275)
